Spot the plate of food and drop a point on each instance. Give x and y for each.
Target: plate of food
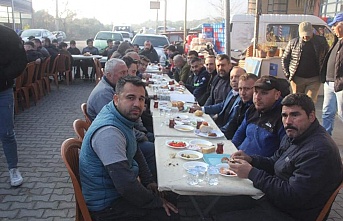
(184, 128)
(193, 164)
(189, 155)
(176, 144)
(181, 117)
(214, 159)
(224, 170)
(204, 145)
(210, 134)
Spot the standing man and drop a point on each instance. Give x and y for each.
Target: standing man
(13, 62)
(300, 177)
(150, 52)
(332, 73)
(261, 130)
(110, 162)
(303, 59)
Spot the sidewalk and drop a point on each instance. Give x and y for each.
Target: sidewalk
(47, 192)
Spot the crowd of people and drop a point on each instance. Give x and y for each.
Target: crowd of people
(281, 146)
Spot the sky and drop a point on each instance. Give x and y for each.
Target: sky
(138, 11)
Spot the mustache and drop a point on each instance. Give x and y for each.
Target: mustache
(291, 127)
(136, 109)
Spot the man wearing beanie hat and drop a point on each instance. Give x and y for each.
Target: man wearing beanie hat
(303, 59)
(261, 130)
(332, 76)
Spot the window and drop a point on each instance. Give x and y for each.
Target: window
(277, 6)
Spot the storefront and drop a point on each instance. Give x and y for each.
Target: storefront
(22, 13)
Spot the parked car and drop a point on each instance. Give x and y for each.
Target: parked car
(157, 41)
(60, 35)
(37, 33)
(100, 40)
(126, 35)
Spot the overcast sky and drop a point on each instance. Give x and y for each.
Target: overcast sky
(138, 11)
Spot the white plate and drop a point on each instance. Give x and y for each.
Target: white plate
(193, 155)
(182, 116)
(201, 143)
(184, 128)
(169, 141)
(218, 133)
(226, 166)
(193, 164)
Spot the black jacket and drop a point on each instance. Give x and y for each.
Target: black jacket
(301, 175)
(291, 58)
(151, 54)
(13, 57)
(219, 89)
(338, 67)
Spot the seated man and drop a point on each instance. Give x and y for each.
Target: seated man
(261, 130)
(198, 83)
(224, 110)
(220, 86)
(179, 62)
(102, 94)
(108, 47)
(142, 66)
(110, 162)
(32, 54)
(150, 52)
(245, 89)
(89, 50)
(186, 69)
(73, 50)
(211, 69)
(302, 174)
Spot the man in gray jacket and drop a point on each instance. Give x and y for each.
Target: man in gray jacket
(303, 59)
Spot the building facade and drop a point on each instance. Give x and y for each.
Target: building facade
(22, 13)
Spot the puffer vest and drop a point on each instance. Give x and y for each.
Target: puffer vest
(97, 186)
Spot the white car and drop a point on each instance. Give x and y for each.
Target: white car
(37, 33)
(126, 35)
(157, 41)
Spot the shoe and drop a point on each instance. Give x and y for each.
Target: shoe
(15, 176)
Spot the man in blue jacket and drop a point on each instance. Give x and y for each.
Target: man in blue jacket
(299, 178)
(110, 162)
(261, 130)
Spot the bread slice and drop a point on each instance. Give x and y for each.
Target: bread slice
(208, 149)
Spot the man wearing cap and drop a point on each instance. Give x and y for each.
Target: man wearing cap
(261, 130)
(332, 76)
(303, 59)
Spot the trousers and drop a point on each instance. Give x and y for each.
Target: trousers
(308, 86)
(332, 104)
(7, 135)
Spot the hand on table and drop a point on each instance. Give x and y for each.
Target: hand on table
(169, 207)
(241, 168)
(242, 156)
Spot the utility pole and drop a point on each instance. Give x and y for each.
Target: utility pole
(257, 22)
(227, 28)
(185, 24)
(56, 21)
(13, 15)
(165, 15)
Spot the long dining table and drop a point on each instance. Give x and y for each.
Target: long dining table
(171, 173)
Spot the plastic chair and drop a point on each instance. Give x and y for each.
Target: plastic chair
(98, 70)
(70, 154)
(53, 71)
(28, 84)
(18, 93)
(64, 67)
(46, 80)
(80, 127)
(84, 111)
(40, 77)
(323, 215)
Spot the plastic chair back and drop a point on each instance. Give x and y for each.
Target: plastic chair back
(84, 111)
(323, 215)
(70, 154)
(80, 128)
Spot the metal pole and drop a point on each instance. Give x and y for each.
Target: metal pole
(156, 31)
(227, 28)
(165, 15)
(56, 21)
(13, 15)
(257, 21)
(185, 24)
